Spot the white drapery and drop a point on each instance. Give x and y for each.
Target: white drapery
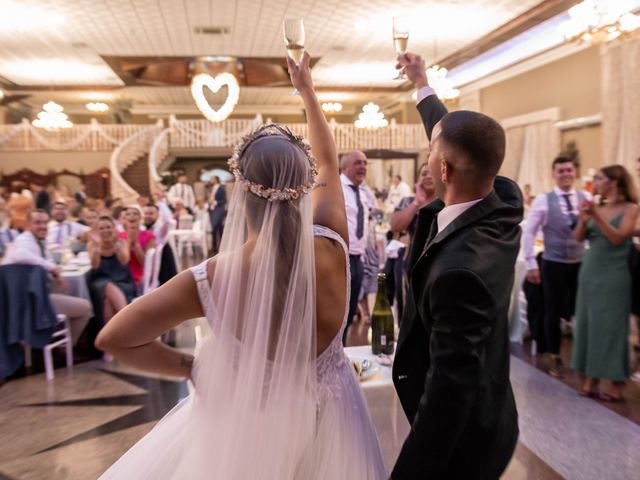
(620, 64)
(381, 172)
(533, 141)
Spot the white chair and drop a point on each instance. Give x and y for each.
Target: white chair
(152, 259)
(63, 336)
(192, 238)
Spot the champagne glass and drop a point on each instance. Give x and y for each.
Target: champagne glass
(294, 41)
(400, 39)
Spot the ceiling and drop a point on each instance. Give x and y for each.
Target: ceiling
(61, 44)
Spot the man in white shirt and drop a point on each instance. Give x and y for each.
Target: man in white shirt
(556, 213)
(157, 219)
(397, 192)
(60, 229)
(353, 166)
(183, 192)
(29, 249)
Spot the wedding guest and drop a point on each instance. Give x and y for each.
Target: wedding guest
(634, 263)
(61, 230)
(370, 259)
(29, 248)
(403, 224)
(397, 191)
(7, 235)
(81, 195)
(601, 336)
(556, 213)
(19, 206)
(182, 192)
(353, 166)
(139, 242)
(110, 281)
(89, 218)
(42, 197)
(156, 218)
(217, 211)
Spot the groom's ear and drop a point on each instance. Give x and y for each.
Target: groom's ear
(445, 170)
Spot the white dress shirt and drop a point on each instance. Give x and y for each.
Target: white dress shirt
(182, 192)
(162, 225)
(425, 92)
(537, 219)
(450, 213)
(357, 246)
(58, 232)
(25, 250)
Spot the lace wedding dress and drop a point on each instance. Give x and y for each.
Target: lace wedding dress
(195, 442)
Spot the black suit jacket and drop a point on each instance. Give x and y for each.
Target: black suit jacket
(451, 369)
(221, 198)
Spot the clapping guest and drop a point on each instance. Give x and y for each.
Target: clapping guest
(601, 336)
(110, 281)
(139, 242)
(89, 218)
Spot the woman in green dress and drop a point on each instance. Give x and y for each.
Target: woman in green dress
(601, 337)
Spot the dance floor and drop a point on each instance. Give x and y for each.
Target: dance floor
(74, 427)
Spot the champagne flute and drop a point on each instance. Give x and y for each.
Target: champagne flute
(400, 39)
(294, 41)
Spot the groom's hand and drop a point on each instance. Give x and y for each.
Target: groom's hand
(414, 68)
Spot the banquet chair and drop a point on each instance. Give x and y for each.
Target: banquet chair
(152, 259)
(195, 237)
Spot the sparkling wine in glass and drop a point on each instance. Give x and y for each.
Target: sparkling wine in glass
(400, 39)
(294, 41)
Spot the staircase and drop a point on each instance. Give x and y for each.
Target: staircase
(130, 165)
(137, 175)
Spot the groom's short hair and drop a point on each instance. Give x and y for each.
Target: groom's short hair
(478, 137)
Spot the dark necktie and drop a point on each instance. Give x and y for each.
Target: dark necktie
(573, 218)
(43, 250)
(360, 226)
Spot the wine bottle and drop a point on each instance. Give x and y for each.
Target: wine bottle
(382, 325)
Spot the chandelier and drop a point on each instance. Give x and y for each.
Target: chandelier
(99, 107)
(52, 117)
(437, 77)
(371, 117)
(600, 21)
(332, 107)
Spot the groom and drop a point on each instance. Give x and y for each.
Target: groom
(451, 368)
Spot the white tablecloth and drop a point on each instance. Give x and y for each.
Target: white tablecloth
(76, 282)
(388, 417)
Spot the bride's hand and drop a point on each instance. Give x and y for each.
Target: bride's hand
(300, 74)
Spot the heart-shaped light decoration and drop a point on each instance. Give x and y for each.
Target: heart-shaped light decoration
(214, 84)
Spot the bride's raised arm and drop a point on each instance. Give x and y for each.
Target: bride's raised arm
(326, 198)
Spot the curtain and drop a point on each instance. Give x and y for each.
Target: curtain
(620, 64)
(533, 141)
(380, 172)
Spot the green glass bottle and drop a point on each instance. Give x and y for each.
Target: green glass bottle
(382, 325)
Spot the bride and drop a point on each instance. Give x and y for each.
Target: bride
(275, 396)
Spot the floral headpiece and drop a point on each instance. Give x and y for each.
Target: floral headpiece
(273, 194)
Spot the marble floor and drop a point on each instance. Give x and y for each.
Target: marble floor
(75, 426)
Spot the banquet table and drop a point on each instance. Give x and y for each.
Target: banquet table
(386, 412)
(75, 279)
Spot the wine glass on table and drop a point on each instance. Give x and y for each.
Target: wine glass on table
(294, 42)
(400, 39)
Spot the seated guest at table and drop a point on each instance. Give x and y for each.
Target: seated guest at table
(19, 206)
(603, 303)
(139, 242)
(7, 235)
(29, 249)
(89, 218)
(62, 230)
(110, 281)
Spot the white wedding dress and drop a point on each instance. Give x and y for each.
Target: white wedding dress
(341, 445)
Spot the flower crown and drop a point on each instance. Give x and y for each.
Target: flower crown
(273, 194)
